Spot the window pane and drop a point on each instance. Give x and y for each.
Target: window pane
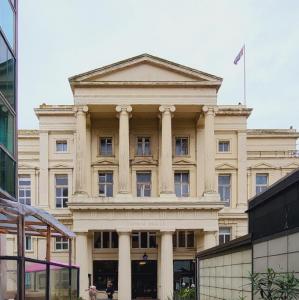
(178, 192)
(109, 190)
(135, 240)
(182, 239)
(7, 21)
(106, 239)
(190, 239)
(97, 239)
(61, 180)
(7, 173)
(61, 146)
(143, 239)
(152, 240)
(262, 179)
(114, 242)
(7, 127)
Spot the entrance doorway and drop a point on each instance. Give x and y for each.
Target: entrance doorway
(144, 279)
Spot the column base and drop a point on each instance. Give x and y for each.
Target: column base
(211, 197)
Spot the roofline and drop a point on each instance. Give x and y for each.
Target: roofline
(72, 79)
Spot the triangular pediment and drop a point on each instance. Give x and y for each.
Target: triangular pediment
(26, 166)
(145, 68)
(61, 166)
(263, 166)
(225, 166)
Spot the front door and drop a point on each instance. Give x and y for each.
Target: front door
(144, 279)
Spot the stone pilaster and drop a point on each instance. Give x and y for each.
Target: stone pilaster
(81, 150)
(242, 170)
(43, 199)
(166, 172)
(124, 265)
(124, 151)
(166, 275)
(209, 149)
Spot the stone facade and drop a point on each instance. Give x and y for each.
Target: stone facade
(148, 115)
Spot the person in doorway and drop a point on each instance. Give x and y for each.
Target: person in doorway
(110, 290)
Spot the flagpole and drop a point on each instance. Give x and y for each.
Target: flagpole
(244, 76)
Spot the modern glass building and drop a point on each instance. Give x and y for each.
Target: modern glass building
(8, 97)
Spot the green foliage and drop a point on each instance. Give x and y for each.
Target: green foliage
(274, 286)
(185, 294)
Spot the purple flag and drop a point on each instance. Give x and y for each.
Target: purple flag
(238, 57)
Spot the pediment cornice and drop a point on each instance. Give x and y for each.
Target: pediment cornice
(226, 166)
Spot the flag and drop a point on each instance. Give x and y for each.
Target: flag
(238, 57)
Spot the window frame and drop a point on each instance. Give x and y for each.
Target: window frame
(182, 183)
(100, 145)
(62, 187)
(143, 137)
(62, 242)
(31, 243)
(226, 203)
(105, 183)
(60, 141)
(225, 235)
(144, 184)
(181, 137)
(25, 188)
(261, 186)
(110, 242)
(176, 239)
(149, 234)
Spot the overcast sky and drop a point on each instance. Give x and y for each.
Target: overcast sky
(61, 38)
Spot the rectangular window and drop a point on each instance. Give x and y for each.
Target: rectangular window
(224, 188)
(7, 173)
(106, 146)
(61, 244)
(28, 243)
(181, 183)
(223, 146)
(25, 189)
(183, 239)
(106, 184)
(143, 184)
(143, 146)
(144, 239)
(224, 235)
(7, 127)
(181, 146)
(62, 190)
(61, 146)
(261, 183)
(105, 240)
(7, 65)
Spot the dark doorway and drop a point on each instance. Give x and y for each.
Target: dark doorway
(144, 279)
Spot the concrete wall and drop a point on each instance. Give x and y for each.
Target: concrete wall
(225, 276)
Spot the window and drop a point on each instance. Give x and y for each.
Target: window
(105, 239)
(7, 21)
(61, 146)
(183, 239)
(223, 146)
(261, 183)
(106, 146)
(106, 184)
(27, 281)
(61, 244)
(62, 190)
(181, 184)
(28, 243)
(25, 189)
(7, 173)
(7, 127)
(143, 184)
(224, 235)
(224, 188)
(183, 273)
(144, 239)
(181, 146)
(143, 146)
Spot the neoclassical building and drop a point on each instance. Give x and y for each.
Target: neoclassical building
(147, 169)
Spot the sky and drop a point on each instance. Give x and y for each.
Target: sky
(62, 38)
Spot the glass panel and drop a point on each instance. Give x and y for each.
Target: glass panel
(262, 179)
(8, 279)
(144, 239)
(74, 286)
(7, 173)
(174, 238)
(61, 180)
(106, 146)
(97, 240)
(28, 243)
(61, 146)
(135, 240)
(178, 192)
(152, 240)
(7, 21)
(37, 287)
(106, 239)
(184, 273)
(190, 239)
(114, 242)
(104, 271)
(182, 239)
(59, 283)
(7, 126)
(185, 177)
(109, 191)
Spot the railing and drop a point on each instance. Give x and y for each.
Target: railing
(287, 153)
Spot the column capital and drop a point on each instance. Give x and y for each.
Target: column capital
(208, 110)
(80, 109)
(167, 108)
(123, 108)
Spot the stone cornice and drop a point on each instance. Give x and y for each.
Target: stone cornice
(233, 110)
(59, 110)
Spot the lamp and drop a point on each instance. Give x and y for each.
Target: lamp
(145, 256)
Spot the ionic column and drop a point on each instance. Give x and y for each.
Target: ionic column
(209, 112)
(123, 150)
(166, 173)
(242, 170)
(124, 265)
(81, 152)
(82, 259)
(166, 275)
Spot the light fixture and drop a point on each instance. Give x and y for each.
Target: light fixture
(145, 257)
